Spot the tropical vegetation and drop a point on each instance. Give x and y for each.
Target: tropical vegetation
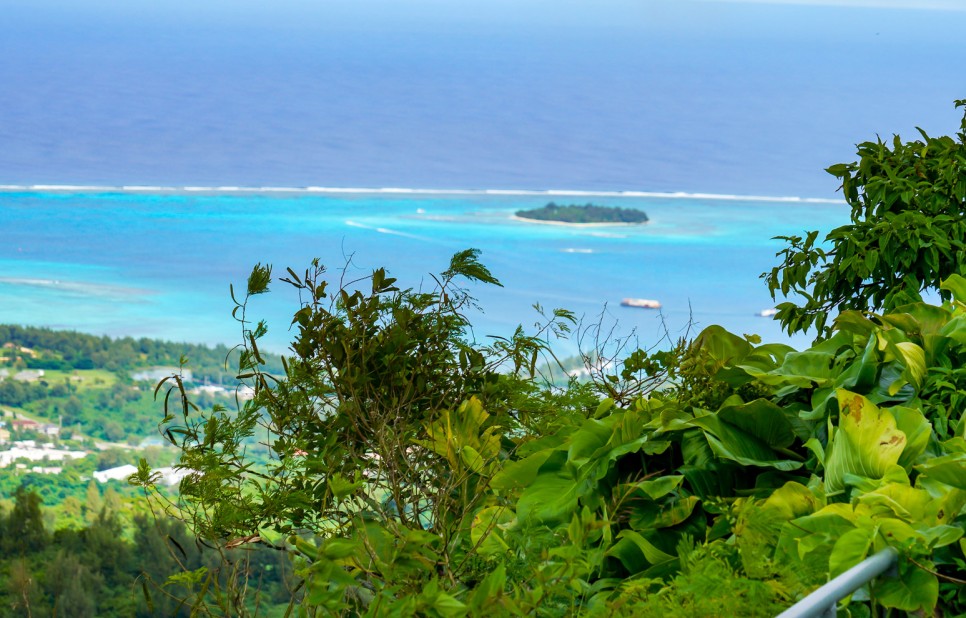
(400, 467)
(587, 213)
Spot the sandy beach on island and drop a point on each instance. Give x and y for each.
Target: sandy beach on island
(603, 224)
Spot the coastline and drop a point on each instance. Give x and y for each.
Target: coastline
(568, 224)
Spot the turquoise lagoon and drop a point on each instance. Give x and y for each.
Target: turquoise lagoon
(158, 262)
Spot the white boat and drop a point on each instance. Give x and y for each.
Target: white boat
(641, 303)
(767, 313)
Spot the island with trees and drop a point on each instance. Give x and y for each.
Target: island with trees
(587, 214)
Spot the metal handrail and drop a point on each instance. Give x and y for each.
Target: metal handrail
(822, 602)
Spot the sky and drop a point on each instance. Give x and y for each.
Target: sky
(922, 5)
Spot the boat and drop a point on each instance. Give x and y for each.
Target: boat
(767, 313)
(641, 303)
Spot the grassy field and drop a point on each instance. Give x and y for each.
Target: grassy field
(83, 379)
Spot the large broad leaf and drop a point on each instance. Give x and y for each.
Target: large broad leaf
(587, 442)
(553, 494)
(950, 469)
(762, 419)
(760, 523)
(653, 516)
(486, 533)
(866, 443)
(805, 544)
(814, 365)
(521, 473)
(767, 356)
(912, 358)
(917, 319)
(722, 345)
(657, 488)
(941, 536)
(854, 322)
(900, 500)
(793, 500)
(729, 442)
(636, 553)
(860, 374)
(955, 329)
(956, 285)
(806, 367)
(913, 590)
(917, 429)
(850, 549)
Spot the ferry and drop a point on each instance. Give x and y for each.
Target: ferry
(641, 303)
(767, 313)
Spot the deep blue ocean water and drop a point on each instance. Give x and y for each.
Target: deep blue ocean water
(698, 97)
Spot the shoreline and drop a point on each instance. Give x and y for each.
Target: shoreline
(313, 190)
(568, 224)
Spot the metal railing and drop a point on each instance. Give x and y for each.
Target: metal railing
(822, 602)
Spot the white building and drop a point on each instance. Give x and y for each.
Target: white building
(47, 469)
(37, 454)
(173, 476)
(156, 374)
(29, 375)
(119, 473)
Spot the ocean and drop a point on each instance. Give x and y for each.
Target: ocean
(159, 263)
(152, 153)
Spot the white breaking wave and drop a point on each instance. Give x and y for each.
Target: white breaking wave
(414, 191)
(77, 287)
(573, 250)
(384, 230)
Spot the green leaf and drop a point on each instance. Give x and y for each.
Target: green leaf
(660, 487)
(722, 345)
(472, 459)
(521, 473)
(552, 496)
(441, 603)
(850, 549)
(941, 536)
(636, 553)
(956, 285)
(918, 431)
(912, 591)
(955, 329)
(730, 442)
(486, 533)
(342, 487)
(762, 419)
(487, 591)
(866, 443)
(949, 469)
(466, 263)
(653, 516)
(814, 365)
(914, 361)
(259, 279)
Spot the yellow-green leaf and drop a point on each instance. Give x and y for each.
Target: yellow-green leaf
(866, 443)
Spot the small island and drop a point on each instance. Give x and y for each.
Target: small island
(588, 214)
